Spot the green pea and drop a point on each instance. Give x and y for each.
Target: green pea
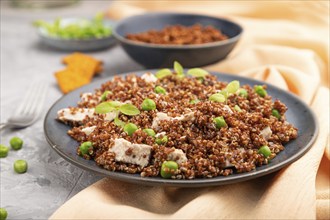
(194, 101)
(130, 128)
(162, 140)
(148, 104)
(260, 91)
(276, 113)
(84, 147)
(237, 108)
(20, 166)
(264, 150)
(243, 93)
(150, 132)
(168, 169)
(105, 94)
(3, 214)
(220, 122)
(160, 90)
(16, 143)
(3, 151)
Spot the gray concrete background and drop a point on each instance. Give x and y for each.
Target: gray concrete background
(50, 180)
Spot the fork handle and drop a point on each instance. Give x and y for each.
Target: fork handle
(3, 125)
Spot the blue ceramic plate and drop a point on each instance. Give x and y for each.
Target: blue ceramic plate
(298, 114)
(77, 44)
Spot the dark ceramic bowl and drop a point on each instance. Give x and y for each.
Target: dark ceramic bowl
(158, 55)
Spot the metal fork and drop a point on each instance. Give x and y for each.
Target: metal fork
(29, 110)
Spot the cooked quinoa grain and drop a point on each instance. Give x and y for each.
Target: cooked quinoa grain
(180, 35)
(194, 138)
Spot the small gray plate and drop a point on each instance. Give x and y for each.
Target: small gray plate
(77, 44)
(298, 114)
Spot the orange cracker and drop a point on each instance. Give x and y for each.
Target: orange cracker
(84, 70)
(70, 79)
(79, 59)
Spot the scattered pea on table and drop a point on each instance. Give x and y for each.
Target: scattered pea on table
(16, 143)
(3, 151)
(20, 166)
(3, 214)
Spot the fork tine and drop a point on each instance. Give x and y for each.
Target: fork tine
(30, 100)
(38, 101)
(42, 99)
(33, 108)
(26, 101)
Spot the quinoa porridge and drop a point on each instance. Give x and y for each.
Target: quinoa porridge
(180, 35)
(177, 125)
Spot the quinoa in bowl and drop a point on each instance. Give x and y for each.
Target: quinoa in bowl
(204, 127)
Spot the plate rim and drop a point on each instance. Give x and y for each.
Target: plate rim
(186, 183)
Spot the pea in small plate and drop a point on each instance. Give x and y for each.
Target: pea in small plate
(91, 44)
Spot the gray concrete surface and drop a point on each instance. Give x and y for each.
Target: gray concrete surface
(50, 180)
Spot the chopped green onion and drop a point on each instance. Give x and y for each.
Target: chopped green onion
(78, 29)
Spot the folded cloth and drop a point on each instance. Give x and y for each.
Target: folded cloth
(285, 44)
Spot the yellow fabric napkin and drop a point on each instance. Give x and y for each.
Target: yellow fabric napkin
(285, 44)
